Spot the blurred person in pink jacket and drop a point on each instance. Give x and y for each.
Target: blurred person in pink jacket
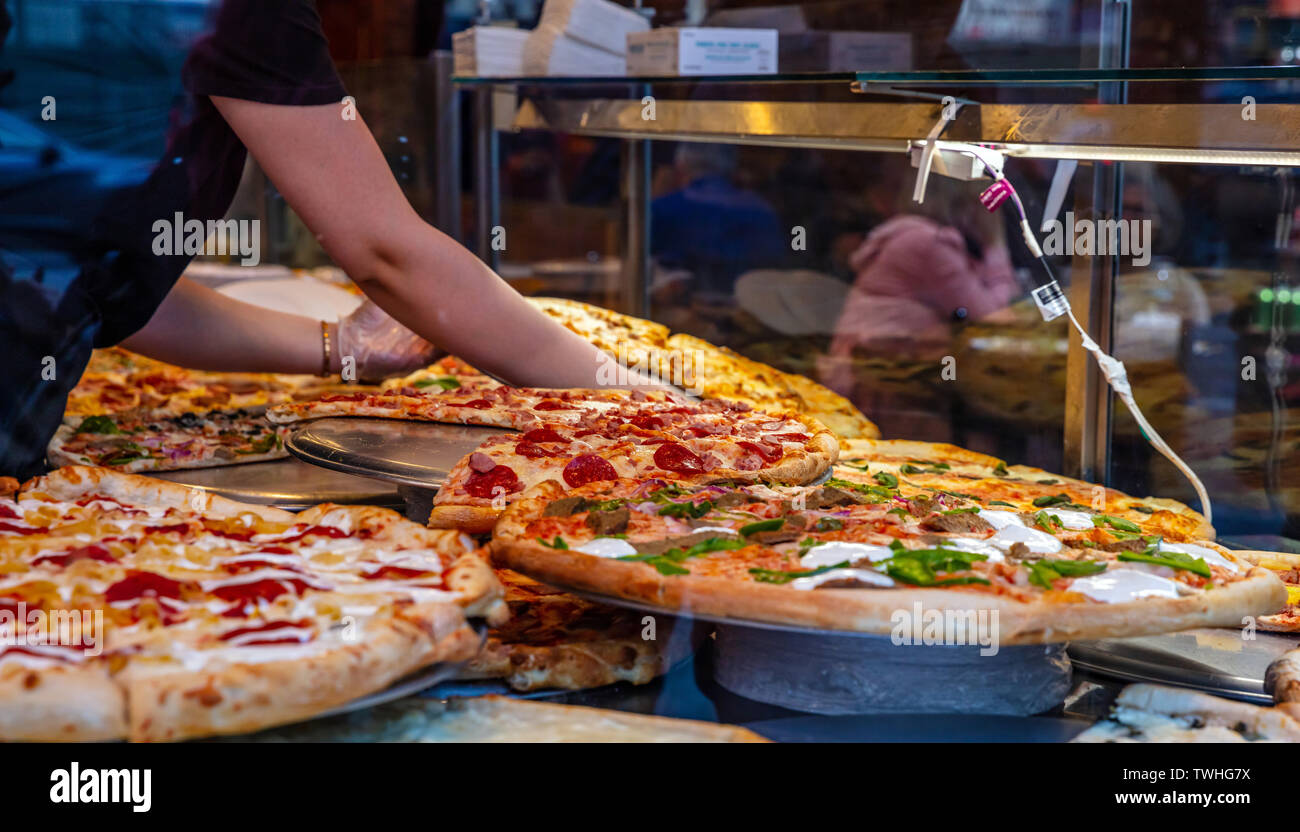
(919, 272)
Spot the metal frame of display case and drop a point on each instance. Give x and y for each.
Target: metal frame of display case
(1112, 130)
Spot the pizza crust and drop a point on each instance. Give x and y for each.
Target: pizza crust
(1282, 679)
(60, 704)
(469, 519)
(175, 703)
(867, 610)
(76, 481)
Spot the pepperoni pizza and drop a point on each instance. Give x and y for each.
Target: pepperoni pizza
(690, 442)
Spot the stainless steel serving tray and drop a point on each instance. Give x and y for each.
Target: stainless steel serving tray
(414, 454)
(1218, 661)
(286, 483)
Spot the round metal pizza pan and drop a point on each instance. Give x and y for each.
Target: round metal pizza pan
(286, 483)
(409, 453)
(1222, 662)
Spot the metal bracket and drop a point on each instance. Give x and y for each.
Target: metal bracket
(1061, 179)
(927, 155)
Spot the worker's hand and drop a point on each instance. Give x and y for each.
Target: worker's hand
(379, 346)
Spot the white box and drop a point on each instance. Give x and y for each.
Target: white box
(599, 23)
(702, 51)
(548, 51)
(488, 51)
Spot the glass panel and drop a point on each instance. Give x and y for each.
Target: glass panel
(561, 216)
(1208, 328)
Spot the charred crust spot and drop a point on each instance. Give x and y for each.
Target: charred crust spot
(207, 696)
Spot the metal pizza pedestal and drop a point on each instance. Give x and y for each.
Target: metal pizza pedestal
(844, 673)
(1223, 662)
(840, 674)
(416, 457)
(286, 483)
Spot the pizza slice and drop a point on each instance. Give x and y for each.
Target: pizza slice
(198, 615)
(1286, 566)
(610, 331)
(471, 402)
(555, 639)
(1156, 713)
(133, 442)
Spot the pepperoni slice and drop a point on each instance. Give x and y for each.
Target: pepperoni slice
(485, 484)
(10, 527)
(648, 421)
(553, 404)
(791, 437)
(6, 511)
(708, 430)
(91, 552)
(345, 397)
(543, 435)
(477, 404)
(588, 468)
(534, 451)
(672, 456)
(143, 585)
(769, 453)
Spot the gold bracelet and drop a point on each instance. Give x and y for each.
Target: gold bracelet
(325, 348)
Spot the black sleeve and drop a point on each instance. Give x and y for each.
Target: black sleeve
(272, 51)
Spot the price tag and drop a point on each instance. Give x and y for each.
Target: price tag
(1051, 301)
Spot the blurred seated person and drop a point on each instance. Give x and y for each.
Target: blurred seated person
(709, 226)
(918, 273)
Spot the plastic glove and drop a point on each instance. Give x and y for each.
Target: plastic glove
(379, 346)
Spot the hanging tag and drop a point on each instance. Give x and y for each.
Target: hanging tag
(1050, 300)
(995, 194)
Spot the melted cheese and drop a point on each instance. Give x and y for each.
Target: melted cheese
(606, 547)
(867, 576)
(839, 551)
(1118, 585)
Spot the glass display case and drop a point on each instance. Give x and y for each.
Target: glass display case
(775, 215)
(1043, 246)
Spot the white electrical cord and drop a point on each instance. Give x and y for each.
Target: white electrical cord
(1111, 368)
